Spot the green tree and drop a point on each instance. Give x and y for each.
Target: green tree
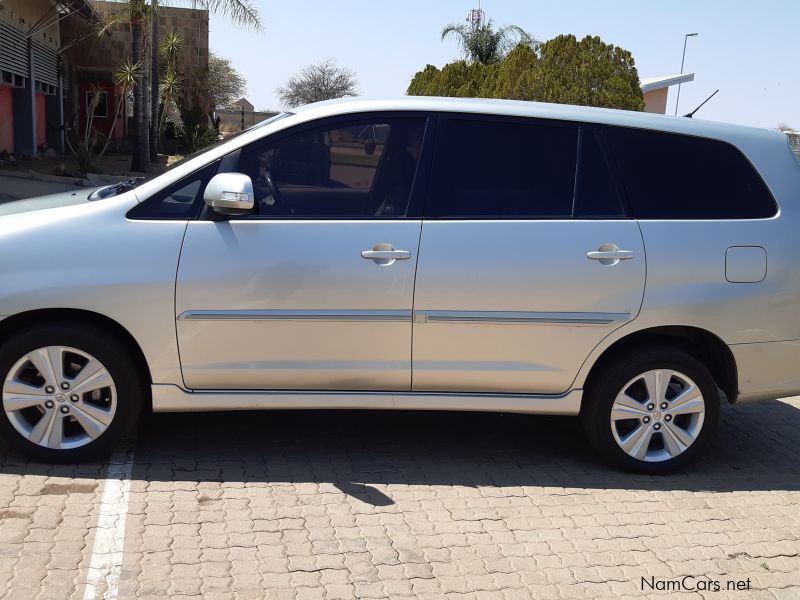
(564, 70)
(485, 44)
(225, 83)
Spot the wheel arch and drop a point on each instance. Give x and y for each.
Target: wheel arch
(702, 344)
(16, 323)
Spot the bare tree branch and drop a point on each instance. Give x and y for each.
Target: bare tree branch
(322, 81)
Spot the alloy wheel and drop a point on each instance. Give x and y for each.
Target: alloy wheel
(657, 415)
(59, 397)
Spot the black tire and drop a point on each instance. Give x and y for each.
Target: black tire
(603, 389)
(105, 347)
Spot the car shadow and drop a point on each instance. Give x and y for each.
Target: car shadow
(755, 449)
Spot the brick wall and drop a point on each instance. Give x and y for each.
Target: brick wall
(97, 57)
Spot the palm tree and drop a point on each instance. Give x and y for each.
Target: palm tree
(484, 44)
(240, 12)
(137, 13)
(125, 76)
(154, 75)
(170, 85)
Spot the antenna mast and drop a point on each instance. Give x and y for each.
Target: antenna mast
(475, 17)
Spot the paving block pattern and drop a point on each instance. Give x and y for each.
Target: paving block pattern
(340, 505)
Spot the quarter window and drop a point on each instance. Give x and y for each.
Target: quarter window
(181, 200)
(506, 170)
(359, 170)
(672, 176)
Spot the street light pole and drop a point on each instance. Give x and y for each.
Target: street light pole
(683, 60)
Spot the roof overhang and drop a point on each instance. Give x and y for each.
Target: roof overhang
(82, 8)
(648, 84)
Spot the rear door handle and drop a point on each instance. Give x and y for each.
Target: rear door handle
(610, 255)
(393, 254)
(385, 254)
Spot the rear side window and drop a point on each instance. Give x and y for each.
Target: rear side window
(673, 176)
(505, 170)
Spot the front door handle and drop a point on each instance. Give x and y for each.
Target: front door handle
(385, 254)
(609, 254)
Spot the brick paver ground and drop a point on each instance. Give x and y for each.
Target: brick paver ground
(393, 505)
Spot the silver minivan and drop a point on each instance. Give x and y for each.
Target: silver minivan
(417, 253)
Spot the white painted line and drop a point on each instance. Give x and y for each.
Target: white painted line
(102, 580)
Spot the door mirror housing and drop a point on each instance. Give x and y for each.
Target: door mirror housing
(230, 194)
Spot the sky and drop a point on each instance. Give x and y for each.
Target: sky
(745, 49)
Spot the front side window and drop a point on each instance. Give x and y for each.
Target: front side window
(181, 200)
(506, 170)
(361, 169)
(673, 176)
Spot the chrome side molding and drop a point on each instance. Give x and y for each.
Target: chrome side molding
(296, 315)
(542, 318)
(420, 316)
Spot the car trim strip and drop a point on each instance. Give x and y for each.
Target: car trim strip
(420, 316)
(541, 318)
(296, 315)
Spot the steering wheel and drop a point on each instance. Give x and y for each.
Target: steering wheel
(269, 196)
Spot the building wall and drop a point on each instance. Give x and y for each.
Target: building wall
(6, 119)
(101, 123)
(24, 14)
(230, 121)
(26, 47)
(656, 101)
(41, 120)
(103, 55)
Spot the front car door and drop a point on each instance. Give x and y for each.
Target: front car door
(527, 260)
(314, 290)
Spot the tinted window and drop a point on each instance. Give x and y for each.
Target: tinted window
(363, 169)
(671, 176)
(181, 200)
(596, 194)
(504, 169)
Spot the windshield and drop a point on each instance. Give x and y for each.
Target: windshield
(129, 184)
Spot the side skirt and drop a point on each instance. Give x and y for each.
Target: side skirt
(171, 398)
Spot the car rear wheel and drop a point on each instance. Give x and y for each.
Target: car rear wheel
(652, 411)
(68, 392)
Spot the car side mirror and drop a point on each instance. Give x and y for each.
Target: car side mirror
(230, 194)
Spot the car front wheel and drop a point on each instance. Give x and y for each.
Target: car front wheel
(651, 411)
(68, 392)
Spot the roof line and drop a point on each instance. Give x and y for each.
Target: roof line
(648, 84)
